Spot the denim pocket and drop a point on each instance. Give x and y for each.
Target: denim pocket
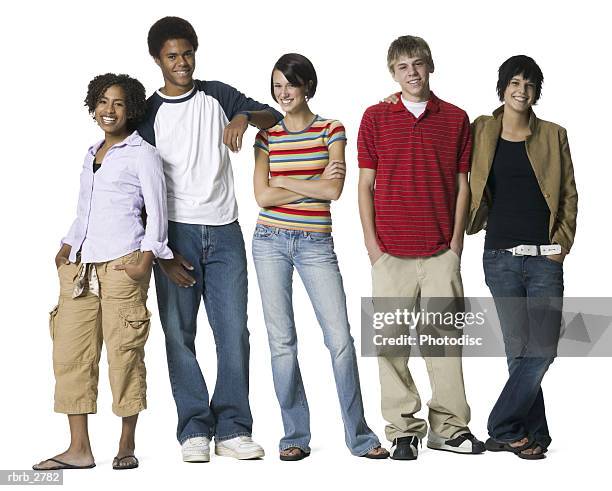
(319, 236)
(548, 260)
(262, 232)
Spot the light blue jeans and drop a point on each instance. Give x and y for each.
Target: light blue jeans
(276, 252)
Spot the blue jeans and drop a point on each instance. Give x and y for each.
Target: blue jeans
(218, 257)
(528, 294)
(276, 252)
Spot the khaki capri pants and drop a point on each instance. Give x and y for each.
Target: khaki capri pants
(78, 326)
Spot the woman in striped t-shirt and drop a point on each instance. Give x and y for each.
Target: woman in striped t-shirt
(299, 169)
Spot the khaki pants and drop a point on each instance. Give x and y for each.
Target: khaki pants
(79, 325)
(449, 413)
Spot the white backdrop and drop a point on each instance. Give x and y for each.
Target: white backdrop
(51, 51)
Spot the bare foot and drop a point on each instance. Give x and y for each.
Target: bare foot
(520, 443)
(73, 457)
(537, 450)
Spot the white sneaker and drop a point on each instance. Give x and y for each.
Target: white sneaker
(196, 449)
(241, 447)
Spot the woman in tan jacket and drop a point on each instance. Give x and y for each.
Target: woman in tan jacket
(524, 195)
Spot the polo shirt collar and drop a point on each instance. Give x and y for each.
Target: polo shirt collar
(133, 140)
(433, 104)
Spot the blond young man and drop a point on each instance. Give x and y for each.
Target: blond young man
(414, 156)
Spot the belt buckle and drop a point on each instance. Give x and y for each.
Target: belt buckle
(525, 250)
(550, 249)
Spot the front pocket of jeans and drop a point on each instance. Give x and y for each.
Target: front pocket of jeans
(548, 260)
(52, 316)
(262, 232)
(136, 324)
(320, 237)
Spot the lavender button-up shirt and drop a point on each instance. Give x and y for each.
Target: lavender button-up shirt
(109, 213)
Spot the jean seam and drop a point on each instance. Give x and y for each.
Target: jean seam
(286, 446)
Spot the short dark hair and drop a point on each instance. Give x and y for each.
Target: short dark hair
(170, 28)
(135, 96)
(298, 70)
(519, 65)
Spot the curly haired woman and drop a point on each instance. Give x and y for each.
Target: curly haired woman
(104, 268)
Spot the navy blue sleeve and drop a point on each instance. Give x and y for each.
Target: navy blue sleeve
(146, 129)
(233, 101)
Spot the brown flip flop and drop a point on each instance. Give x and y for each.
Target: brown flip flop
(299, 455)
(117, 463)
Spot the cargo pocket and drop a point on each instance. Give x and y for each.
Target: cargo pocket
(135, 329)
(52, 316)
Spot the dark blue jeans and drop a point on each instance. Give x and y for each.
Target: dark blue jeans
(218, 257)
(528, 294)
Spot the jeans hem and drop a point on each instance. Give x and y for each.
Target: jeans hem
(509, 440)
(285, 446)
(194, 435)
(233, 435)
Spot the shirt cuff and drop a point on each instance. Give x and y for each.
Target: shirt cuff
(68, 241)
(367, 164)
(159, 249)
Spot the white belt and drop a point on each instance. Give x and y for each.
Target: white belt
(535, 250)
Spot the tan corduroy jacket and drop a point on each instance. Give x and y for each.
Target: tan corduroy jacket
(549, 154)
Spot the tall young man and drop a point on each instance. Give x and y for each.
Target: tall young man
(193, 123)
(414, 156)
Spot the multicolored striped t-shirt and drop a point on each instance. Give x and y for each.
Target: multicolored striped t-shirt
(300, 155)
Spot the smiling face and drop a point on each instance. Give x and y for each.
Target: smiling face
(290, 97)
(177, 63)
(111, 113)
(412, 73)
(519, 94)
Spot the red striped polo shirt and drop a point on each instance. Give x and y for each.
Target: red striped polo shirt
(416, 162)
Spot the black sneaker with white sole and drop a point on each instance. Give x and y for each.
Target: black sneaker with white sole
(466, 443)
(405, 448)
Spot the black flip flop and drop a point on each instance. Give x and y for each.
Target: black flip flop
(292, 458)
(62, 466)
(493, 445)
(117, 463)
(532, 456)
